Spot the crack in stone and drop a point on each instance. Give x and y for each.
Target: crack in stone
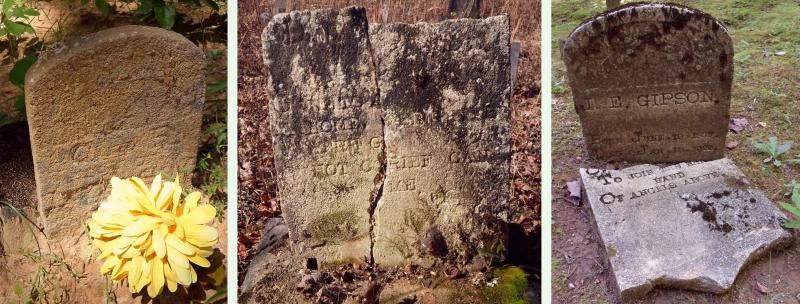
(377, 190)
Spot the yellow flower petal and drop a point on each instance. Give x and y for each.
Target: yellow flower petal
(201, 236)
(177, 259)
(199, 261)
(142, 225)
(158, 244)
(157, 282)
(184, 248)
(201, 215)
(191, 201)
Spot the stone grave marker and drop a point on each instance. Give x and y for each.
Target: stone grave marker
(691, 225)
(445, 92)
(651, 83)
(326, 127)
(123, 102)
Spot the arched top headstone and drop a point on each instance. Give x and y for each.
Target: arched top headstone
(124, 102)
(651, 82)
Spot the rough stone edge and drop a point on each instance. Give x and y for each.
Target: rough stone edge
(664, 281)
(77, 46)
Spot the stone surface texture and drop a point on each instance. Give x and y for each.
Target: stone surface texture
(124, 102)
(445, 90)
(651, 83)
(690, 225)
(437, 94)
(326, 129)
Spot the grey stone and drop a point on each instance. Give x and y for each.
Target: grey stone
(327, 132)
(690, 225)
(445, 91)
(651, 83)
(124, 102)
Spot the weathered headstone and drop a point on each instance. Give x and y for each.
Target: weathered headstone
(126, 101)
(690, 225)
(327, 131)
(651, 83)
(445, 93)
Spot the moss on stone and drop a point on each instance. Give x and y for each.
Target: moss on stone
(337, 226)
(512, 283)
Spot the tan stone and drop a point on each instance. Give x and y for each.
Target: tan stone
(651, 83)
(124, 102)
(326, 130)
(445, 91)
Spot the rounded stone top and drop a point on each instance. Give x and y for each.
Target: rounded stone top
(674, 16)
(160, 41)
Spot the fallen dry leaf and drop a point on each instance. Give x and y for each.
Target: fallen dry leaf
(737, 124)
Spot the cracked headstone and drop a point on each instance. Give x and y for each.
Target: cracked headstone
(651, 83)
(326, 128)
(123, 102)
(445, 92)
(691, 225)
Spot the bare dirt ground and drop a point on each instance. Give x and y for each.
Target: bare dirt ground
(257, 188)
(765, 92)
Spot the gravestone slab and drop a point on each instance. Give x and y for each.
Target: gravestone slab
(651, 83)
(691, 225)
(445, 92)
(326, 127)
(124, 102)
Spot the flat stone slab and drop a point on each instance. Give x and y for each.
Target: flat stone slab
(690, 225)
(126, 101)
(445, 90)
(327, 132)
(651, 83)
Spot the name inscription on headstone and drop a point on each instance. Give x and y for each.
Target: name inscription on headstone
(651, 83)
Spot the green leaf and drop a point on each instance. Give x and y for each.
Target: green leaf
(212, 4)
(17, 74)
(790, 224)
(215, 88)
(165, 14)
(6, 120)
(7, 6)
(219, 295)
(2, 31)
(794, 210)
(796, 198)
(773, 146)
(785, 147)
(145, 7)
(20, 105)
(777, 163)
(17, 28)
(103, 7)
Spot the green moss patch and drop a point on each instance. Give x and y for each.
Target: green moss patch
(512, 282)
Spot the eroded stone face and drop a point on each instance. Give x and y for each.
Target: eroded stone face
(124, 102)
(651, 83)
(689, 225)
(445, 91)
(326, 127)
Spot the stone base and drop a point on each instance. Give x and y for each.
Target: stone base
(689, 226)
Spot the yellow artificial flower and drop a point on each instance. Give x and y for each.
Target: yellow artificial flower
(150, 237)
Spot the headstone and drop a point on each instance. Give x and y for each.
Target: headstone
(651, 83)
(445, 93)
(124, 102)
(691, 225)
(327, 131)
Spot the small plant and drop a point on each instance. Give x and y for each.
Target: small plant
(15, 21)
(794, 209)
(792, 186)
(163, 11)
(775, 152)
(493, 253)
